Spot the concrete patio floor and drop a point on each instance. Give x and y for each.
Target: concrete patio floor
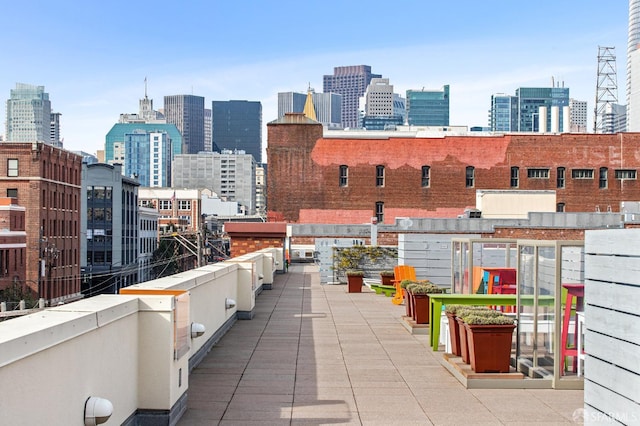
(315, 354)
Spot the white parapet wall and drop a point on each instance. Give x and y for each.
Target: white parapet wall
(612, 336)
(135, 350)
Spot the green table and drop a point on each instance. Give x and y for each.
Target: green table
(437, 300)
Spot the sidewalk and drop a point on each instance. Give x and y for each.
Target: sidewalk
(315, 354)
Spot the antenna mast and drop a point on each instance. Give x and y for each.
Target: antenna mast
(604, 116)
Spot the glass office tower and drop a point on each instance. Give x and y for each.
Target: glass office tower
(428, 107)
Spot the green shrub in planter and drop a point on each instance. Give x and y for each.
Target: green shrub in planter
(355, 273)
(387, 273)
(474, 319)
(453, 309)
(426, 289)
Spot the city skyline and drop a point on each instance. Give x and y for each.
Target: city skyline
(95, 70)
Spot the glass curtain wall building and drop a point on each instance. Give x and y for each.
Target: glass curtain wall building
(28, 114)
(428, 107)
(530, 99)
(503, 116)
(237, 126)
(149, 145)
(187, 113)
(148, 158)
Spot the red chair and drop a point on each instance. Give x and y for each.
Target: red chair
(502, 281)
(573, 291)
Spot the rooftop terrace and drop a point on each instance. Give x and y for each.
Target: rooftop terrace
(315, 354)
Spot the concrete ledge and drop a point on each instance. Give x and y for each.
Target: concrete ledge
(204, 349)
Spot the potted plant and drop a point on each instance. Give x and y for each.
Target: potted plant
(354, 281)
(489, 340)
(462, 331)
(420, 295)
(408, 300)
(387, 277)
(454, 328)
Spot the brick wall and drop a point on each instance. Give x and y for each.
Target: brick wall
(244, 245)
(49, 187)
(304, 172)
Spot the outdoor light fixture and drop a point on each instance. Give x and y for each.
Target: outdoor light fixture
(197, 329)
(97, 411)
(229, 303)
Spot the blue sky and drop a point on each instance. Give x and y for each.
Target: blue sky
(93, 57)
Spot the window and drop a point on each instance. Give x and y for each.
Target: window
(184, 205)
(538, 173)
(164, 204)
(12, 192)
(560, 207)
(379, 175)
(582, 173)
(603, 178)
(560, 178)
(12, 167)
(515, 175)
(470, 176)
(379, 211)
(344, 175)
(624, 174)
(425, 176)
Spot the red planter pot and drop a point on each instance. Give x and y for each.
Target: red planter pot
(462, 334)
(489, 347)
(408, 302)
(386, 279)
(454, 334)
(354, 283)
(421, 308)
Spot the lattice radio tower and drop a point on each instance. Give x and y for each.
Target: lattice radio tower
(606, 89)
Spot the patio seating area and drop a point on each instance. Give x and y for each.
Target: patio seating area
(315, 354)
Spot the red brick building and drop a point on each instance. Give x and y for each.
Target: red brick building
(350, 179)
(247, 237)
(47, 181)
(13, 243)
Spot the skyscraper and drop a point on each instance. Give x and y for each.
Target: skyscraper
(28, 114)
(530, 99)
(633, 68)
(428, 107)
(328, 106)
(237, 125)
(54, 129)
(351, 82)
(187, 113)
(614, 118)
(503, 116)
(145, 150)
(382, 107)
